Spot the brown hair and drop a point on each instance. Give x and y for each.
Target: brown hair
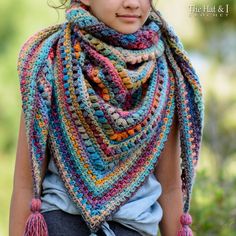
(62, 6)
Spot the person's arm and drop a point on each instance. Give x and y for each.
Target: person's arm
(168, 174)
(23, 185)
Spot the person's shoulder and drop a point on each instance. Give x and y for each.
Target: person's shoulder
(35, 40)
(37, 45)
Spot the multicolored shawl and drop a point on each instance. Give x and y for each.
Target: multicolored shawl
(103, 102)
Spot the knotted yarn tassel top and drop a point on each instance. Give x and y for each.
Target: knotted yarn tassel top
(185, 221)
(36, 225)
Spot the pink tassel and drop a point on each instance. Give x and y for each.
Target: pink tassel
(185, 220)
(36, 225)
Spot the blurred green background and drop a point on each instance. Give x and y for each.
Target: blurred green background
(211, 43)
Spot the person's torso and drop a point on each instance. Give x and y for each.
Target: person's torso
(141, 212)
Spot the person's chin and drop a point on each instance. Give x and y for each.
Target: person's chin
(128, 29)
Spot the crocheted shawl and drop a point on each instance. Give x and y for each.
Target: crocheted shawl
(103, 102)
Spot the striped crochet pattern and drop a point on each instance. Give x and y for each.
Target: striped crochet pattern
(103, 102)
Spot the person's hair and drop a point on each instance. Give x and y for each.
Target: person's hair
(64, 3)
